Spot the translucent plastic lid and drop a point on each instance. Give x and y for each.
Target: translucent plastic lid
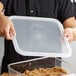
(40, 37)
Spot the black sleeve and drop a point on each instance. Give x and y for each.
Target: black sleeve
(66, 9)
(4, 2)
(75, 7)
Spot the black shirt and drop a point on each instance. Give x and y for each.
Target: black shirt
(74, 7)
(59, 9)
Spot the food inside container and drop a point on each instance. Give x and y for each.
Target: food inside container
(56, 71)
(41, 67)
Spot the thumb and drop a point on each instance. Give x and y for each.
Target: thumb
(67, 31)
(68, 34)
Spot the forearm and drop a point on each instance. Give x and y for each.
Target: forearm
(1, 7)
(69, 23)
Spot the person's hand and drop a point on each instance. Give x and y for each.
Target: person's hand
(70, 34)
(7, 29)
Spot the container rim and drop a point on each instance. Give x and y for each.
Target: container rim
(26, 53)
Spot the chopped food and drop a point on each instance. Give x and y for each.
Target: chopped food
(54, 71)
(5, 74)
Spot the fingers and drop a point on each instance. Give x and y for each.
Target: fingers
(10, 31)
(68, 34)
(8, 34)
(7, 29)
(1, 34)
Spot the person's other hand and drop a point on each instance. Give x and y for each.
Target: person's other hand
(68, 33)
(7, 29)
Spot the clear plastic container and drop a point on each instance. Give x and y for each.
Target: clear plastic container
(17, 69)
(37, 36)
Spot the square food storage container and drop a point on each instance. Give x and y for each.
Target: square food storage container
(18, 68)
(37, 36)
